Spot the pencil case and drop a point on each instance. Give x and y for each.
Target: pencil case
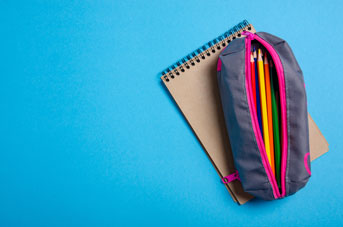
(254, 168)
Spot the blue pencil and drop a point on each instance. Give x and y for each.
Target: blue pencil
(258, 99)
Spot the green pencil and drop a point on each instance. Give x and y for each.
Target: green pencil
(276, 133)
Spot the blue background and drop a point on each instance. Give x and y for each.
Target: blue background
(90, 136)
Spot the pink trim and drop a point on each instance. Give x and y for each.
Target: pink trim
(231, 177)
(306, 163)
(219, 65)
(283, 104)
(253, 115)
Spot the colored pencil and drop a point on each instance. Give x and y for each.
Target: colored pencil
(269, 111)
(276, 134)
(258, 99)
(263, 104)
(253, 78)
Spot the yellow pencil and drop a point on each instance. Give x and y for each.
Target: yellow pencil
(263, 104)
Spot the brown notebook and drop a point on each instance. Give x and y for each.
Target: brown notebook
(193, 84)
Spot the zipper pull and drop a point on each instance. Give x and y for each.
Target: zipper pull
(231, 177)
(248, 34)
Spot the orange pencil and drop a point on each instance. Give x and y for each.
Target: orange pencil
(269, 111)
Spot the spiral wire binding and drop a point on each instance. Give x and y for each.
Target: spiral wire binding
(201, 53)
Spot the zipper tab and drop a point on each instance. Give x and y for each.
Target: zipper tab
(231, 177)
(248, 34)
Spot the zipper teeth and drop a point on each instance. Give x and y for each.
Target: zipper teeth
(282, 90)
(256, 129)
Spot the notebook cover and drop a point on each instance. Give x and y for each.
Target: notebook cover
(195, 91)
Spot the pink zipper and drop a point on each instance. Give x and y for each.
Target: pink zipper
(259, 139)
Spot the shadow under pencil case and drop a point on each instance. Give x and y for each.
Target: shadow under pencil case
(246, 137)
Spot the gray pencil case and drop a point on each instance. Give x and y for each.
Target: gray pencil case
(242, 119)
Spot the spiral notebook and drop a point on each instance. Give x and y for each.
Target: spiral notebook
(192, 82)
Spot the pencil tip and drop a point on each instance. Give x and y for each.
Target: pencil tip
(260, 55)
